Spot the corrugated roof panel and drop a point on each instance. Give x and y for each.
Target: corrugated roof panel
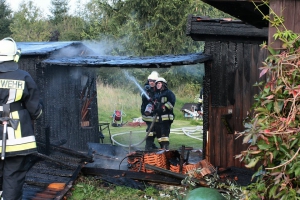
(42, 48)
(125, 61)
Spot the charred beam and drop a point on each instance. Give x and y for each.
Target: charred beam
(67, 151)
(131, 174)
(48, 158)
(201, 182)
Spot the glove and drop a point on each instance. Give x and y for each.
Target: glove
(147, 88)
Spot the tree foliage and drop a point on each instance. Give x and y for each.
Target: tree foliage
(144, 27)
(59, 11)
(29, 25)
(123, 27)
(5, 19)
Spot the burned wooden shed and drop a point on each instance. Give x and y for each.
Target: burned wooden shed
(61, 93)
(66, 77)
(236, 57)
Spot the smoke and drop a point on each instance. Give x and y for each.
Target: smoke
(129, 77)
(67, 52)
(104, 47)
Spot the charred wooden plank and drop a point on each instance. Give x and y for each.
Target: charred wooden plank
(131, 174)
(87, 158)
(48, 158)
(201, 182)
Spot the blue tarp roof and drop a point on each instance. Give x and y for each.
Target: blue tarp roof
(47, 48)
(42, 48)
(128, 61)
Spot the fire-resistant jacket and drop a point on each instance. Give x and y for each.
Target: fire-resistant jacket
(145, 102)
(18, 89)
(166, 101)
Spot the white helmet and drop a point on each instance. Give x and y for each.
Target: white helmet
(153, 76)
(161, 79)
(8, 49)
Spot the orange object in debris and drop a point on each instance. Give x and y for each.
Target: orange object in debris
(56, 186)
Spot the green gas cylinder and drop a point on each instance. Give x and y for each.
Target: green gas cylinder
(204, 193)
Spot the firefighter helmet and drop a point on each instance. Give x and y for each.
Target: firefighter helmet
(161, 79)
(153, 76)
(8, 49)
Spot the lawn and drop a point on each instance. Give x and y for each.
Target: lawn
(182, 133)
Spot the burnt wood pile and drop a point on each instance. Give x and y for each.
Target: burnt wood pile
(51, 176)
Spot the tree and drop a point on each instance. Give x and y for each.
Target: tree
(64, 26)
(29, 25)
(142, 27)
(5, 19)
(59, 11)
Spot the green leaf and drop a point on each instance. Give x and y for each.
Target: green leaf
(263, 145)
(297, 172)
(278, 106)
(273, 191)
(247, 138)
(295, 141)
(270, 106)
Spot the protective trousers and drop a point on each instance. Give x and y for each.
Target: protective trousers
(150, 145)
(163, 132)
(13, 171)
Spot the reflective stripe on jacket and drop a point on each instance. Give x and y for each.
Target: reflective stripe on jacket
(18, 86)
(166, 98)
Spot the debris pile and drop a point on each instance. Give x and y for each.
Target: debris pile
(168, 160)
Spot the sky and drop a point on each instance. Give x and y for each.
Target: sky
(43, 4)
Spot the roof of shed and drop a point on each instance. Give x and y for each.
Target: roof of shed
(202, 28)
(162, 61)
(72, 59)
(244, 10)
(43, 48)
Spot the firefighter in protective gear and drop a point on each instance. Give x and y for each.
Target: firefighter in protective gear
(147, 110)
(165, 101)
(19, 91)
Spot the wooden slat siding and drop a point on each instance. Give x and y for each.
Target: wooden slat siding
(246, 87)
(289, 9)
(297, 18)
(211, 137)
(206, 109)
(206, 101)
(254, 70)
(221, 133)
(218, 76)
(223, 65)
(238, 90)
(207, 65)
(215, 74)
(231, 71)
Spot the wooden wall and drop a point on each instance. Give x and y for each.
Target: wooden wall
(233, 71)
(289, 9)
(60, 88)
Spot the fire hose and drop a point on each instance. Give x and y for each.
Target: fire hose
(188, 131)
(133, 145)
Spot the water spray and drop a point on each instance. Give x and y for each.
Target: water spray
(128, 76)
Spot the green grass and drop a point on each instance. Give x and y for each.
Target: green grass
(111, 99)
(91, 188)
(177, 136)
